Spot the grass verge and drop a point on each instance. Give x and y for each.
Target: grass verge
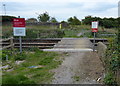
(34, 70)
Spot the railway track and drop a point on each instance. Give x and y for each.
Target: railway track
(28, 43)
(42, 43)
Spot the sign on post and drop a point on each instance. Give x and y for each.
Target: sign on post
(19, 27)
(95, 26)
(94, 29)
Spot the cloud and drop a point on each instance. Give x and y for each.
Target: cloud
(61, 9)
(98, 7)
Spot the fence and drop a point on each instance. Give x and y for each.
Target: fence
(6, 43)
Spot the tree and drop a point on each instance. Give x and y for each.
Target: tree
(63, 22)
(87, 20)
(7, 18)
(74, 21)
(44, 17)
(70, 20)
(53, 20)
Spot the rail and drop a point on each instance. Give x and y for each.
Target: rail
(41, 43)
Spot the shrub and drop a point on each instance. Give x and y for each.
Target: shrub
(109, 79)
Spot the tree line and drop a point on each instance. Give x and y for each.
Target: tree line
(104, 22)
(45, 17)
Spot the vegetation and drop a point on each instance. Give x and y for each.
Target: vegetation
(35, 32)
(7, 18)
(47, 60)
(76, 78)
(74, 21)
(112, 62)
(33, 20)
(103, 22)
(35, 68)
(53, 20)
(44, 17)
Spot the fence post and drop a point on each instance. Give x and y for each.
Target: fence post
(11, 43)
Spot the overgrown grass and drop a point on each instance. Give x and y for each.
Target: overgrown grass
(37, 31)
(99, 34)
(25, 73)
(73, 31)
(34, 31)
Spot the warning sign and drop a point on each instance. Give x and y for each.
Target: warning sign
(19, 27)
(95, 26)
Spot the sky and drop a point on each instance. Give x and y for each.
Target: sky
(60, 9)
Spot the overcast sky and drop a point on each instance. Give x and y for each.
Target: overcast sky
(61, 9)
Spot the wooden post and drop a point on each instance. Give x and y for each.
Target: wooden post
(11, 43)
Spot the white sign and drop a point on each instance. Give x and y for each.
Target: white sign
(19, 31)
(95, 24)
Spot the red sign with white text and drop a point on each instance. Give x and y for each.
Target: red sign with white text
(18, 22)
(94, 30)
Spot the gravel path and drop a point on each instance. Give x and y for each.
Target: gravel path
(79, 67)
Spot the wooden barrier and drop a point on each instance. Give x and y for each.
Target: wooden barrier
(7, 43)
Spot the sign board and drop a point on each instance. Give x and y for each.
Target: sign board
(19, 27)
(95, 26)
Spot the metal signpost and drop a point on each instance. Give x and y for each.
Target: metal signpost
(94, 30)
(19, 29)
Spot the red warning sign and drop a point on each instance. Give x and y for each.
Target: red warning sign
(95, 26)
(18, 22)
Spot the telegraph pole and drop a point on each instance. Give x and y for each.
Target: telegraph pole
(4, 6)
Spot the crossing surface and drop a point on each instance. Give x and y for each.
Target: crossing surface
(72, 45)
(80, 62)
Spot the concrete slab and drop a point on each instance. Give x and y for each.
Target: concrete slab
(68, 50)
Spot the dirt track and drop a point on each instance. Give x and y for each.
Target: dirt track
(79, 68)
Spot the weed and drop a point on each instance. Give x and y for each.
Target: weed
(20, 56)
(76, 78)
(109, 79)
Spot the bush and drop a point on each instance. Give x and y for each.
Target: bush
(109, 79)
(112, 63)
